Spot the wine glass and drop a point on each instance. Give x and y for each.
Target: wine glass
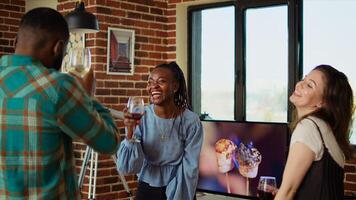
(266, 186)
(136, 107)
(79, 61)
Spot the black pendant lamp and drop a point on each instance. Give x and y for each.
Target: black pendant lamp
(81, 21)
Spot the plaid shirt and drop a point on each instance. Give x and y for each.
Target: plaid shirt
(41, 111)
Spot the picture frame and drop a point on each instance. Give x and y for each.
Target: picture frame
(120, 51)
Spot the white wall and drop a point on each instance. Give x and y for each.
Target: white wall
(182, 31)
(31, 4)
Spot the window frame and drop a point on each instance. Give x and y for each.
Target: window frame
(294, 50)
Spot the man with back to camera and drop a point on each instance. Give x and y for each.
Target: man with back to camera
(42, 110)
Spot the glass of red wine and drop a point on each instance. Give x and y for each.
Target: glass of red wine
(266, 186)
(136, 107)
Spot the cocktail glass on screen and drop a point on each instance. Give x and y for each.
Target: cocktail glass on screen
(265, 188)
(136, 107)
(79, 61)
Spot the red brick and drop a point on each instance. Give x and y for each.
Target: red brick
(118, 92)
(161, 19)
(127, 6)
(155, 40)
(142, 24)
(171, 41)
(142, 8)
(104, 10)
(171, 48)
(349, 168)
(5, 2)
(156, 26)
(134, 15)
(155, 55)
(148, 32)
(174, 1)
(9, 21)
(134, 92)
(171, 19)
(12, 8)
(171, 56)
(141, 85)
(148, 17)
(113, 4)
(156, 11)
(111, 100)
(171, 27)
(141, 69)
(4, 28)
(161, 34)
(126, 85)
(141, 54)
(4, 13)
(351, 177)
(351, 161)
(118, 13)
(141, 39)
(128, 22)
(171, 12)
(135, 77)
(145, 47)
(350, 186)
(102, 91)
(16, 15)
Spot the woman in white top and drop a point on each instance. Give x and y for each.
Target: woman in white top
(319, 143)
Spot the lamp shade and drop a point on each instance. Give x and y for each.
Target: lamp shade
(81, 21)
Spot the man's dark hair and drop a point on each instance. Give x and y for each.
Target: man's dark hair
(47, 21)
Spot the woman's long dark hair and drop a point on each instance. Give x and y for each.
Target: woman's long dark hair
(181, 99)
(337, 109)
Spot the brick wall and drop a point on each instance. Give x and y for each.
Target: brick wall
(11, 12)
(148, 19)
(154, 22)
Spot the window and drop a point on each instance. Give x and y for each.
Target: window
(217, 60)
(267, 64)
(329, 37)
(234, 57)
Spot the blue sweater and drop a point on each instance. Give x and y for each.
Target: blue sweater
(167, 154)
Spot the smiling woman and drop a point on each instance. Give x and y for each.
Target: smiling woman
(319, 143)
(171, 136)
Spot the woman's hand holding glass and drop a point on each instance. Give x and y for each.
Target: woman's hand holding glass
(133, 113)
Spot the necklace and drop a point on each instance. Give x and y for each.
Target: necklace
(165, 134)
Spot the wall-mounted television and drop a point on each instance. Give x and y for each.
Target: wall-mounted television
(235, 154)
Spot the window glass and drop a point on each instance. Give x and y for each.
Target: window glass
(267, 64)
(216, 61)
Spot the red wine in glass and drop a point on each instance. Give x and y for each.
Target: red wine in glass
(266, 185)
(262, 195)
(136, 116)
(136, 107)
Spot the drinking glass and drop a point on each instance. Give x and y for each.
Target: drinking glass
(265, 188)
(136, 107)
(79, 61)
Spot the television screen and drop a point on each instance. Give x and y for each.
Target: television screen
(236, 154)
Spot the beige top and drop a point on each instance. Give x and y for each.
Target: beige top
(307, 133)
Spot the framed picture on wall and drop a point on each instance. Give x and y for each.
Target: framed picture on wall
(120, 51)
